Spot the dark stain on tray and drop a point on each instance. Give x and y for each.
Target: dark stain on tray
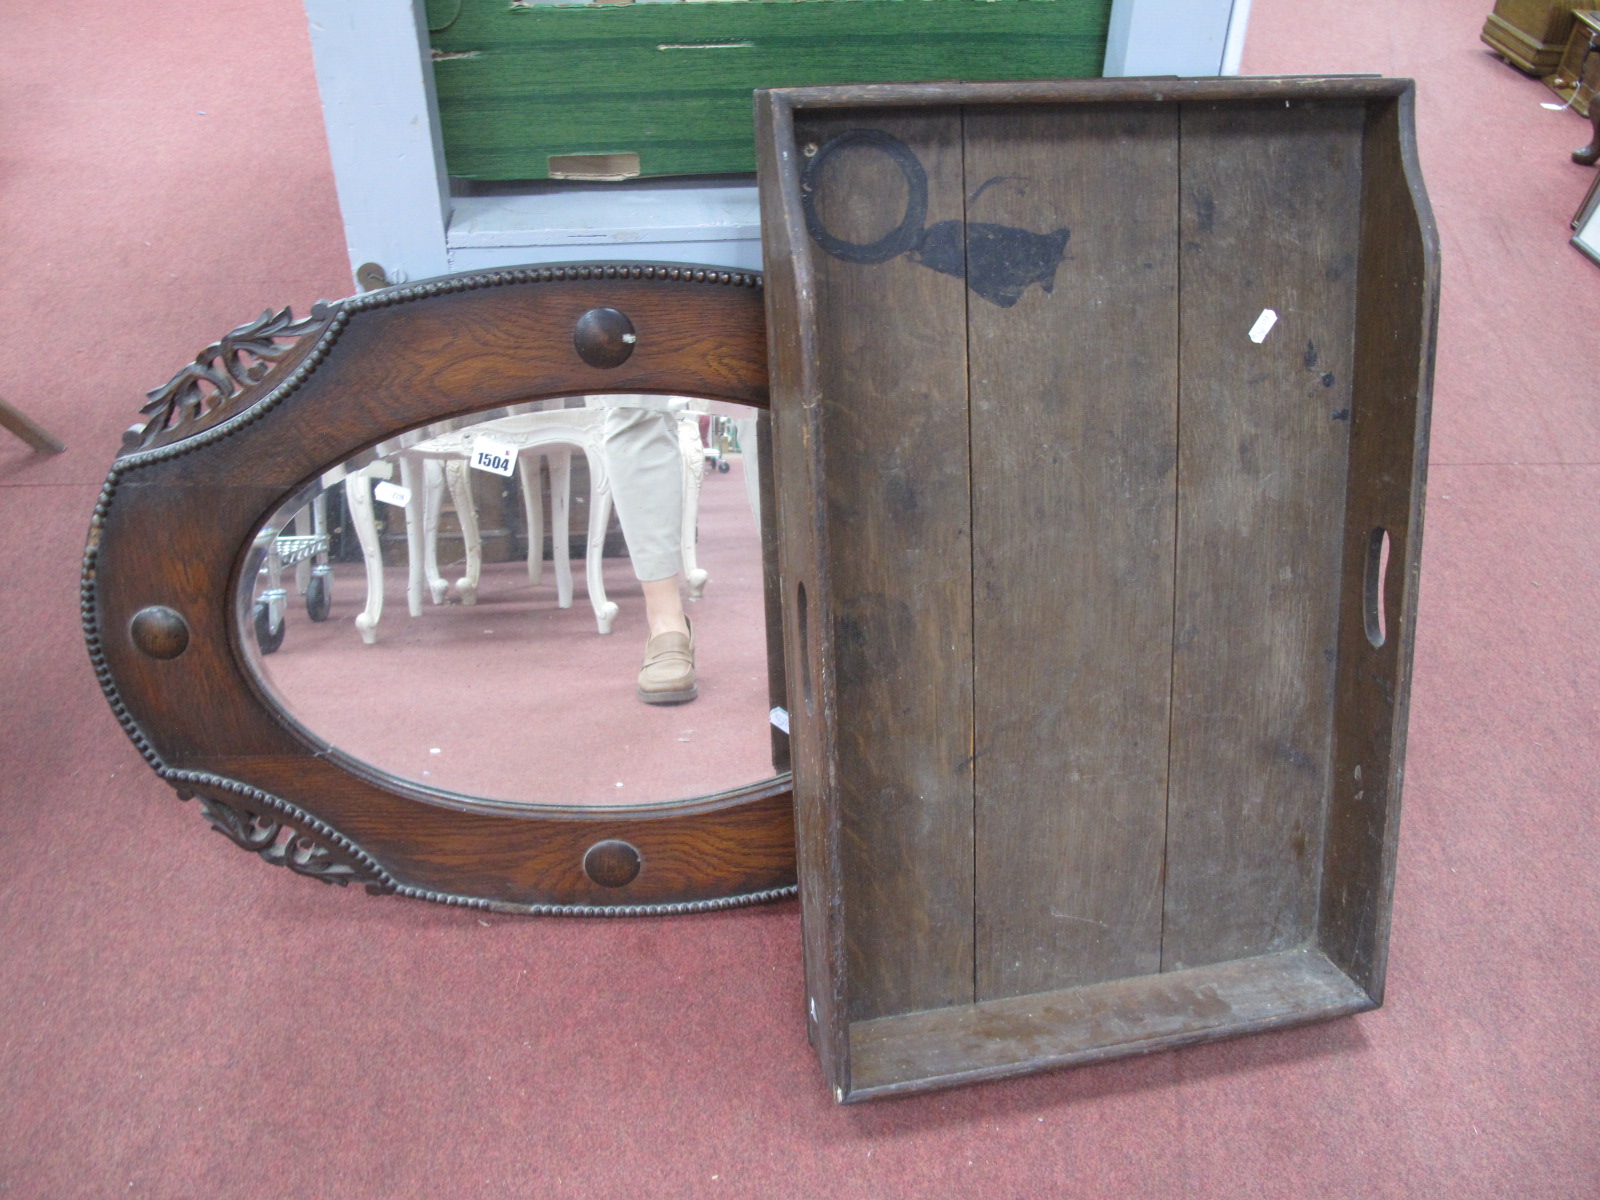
(997, 262)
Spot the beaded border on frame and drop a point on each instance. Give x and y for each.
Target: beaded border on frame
(278, 831)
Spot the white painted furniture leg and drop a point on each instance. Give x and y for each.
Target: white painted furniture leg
(432, 503)
(750, 456)
(560, 460)
(694, 470)
(605, 611)
(455, 473)
(411, 479)
(358, 496)
(533, 513)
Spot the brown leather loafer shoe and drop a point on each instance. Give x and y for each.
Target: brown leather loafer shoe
(667, 676)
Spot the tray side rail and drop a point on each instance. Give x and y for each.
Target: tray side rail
(1397, 320)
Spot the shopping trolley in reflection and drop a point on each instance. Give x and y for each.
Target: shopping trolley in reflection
(307, 553)
(719, 438)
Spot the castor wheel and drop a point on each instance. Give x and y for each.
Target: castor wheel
(724, 465)
(319, 595)
(268, 638)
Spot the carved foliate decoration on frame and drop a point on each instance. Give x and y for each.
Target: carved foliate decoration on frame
(222, 371)
(282, 835)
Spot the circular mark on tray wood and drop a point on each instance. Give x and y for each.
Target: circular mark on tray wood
(604, 337)
(898, 240)
(159, 631)
(612, 863)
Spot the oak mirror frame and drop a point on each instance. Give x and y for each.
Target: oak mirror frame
(267, 409)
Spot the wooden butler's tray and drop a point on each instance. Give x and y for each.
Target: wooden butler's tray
(1101, 415)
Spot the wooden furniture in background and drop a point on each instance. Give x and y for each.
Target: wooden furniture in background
(1586, 221)
(29, 430)
(1589, 204)
(1587, 156)
(260, 415)
(1099, 587)
(1530, 34)
(1578, 73)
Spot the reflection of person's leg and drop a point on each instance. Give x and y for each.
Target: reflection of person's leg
(646, 469)
(663, 606)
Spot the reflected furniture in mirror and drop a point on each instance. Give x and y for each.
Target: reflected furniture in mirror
(270, 415)
(549, 435)
(426, 465)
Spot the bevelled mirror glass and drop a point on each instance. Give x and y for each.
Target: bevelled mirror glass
(461, 606)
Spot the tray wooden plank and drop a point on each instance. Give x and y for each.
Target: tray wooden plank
(895, 417)
(1074, 411)
(1271, 208)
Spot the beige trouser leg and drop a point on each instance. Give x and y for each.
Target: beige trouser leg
(646, 469)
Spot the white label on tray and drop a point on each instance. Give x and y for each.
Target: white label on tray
(780, 718)
(493, 456)
(1263, 326)
(392, 493)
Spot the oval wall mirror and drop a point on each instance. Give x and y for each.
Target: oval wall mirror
(359, 587)
(500, 673)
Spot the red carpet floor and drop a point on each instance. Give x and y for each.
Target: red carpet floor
(181, 1020)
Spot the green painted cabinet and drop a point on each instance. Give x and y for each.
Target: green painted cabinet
(664, 89)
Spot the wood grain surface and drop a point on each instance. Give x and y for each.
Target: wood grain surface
(894, 416)
(1271, 212)
(803, 538)
(1074, 435)
(1396, 318)
(1088, 1024)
